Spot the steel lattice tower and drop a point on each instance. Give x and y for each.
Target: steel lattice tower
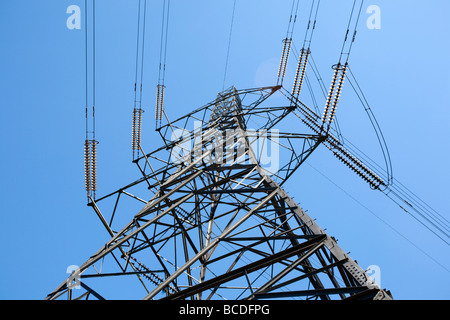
(209, 219)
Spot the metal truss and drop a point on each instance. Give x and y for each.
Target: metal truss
(218, 224)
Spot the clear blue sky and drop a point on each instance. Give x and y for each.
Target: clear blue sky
(403, 69)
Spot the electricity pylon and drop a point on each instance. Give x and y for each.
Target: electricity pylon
(217, 223)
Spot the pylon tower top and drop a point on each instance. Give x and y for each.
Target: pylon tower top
(218, 224)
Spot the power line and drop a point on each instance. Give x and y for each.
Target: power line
(229, 45)
(311, 23)
(428, 218)
(407, 201)
(93, 69)
(140, 47)
(162, 65)
(381, 140)
(421, 214)
(376, 216)
(287, 42)
(86, 63)
(347, 44)
(90, 144)
(142, 53)
(163, 41)
(305, 52)
(340, 70)
(137, 51)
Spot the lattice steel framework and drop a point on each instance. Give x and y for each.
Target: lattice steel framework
(209, 218)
